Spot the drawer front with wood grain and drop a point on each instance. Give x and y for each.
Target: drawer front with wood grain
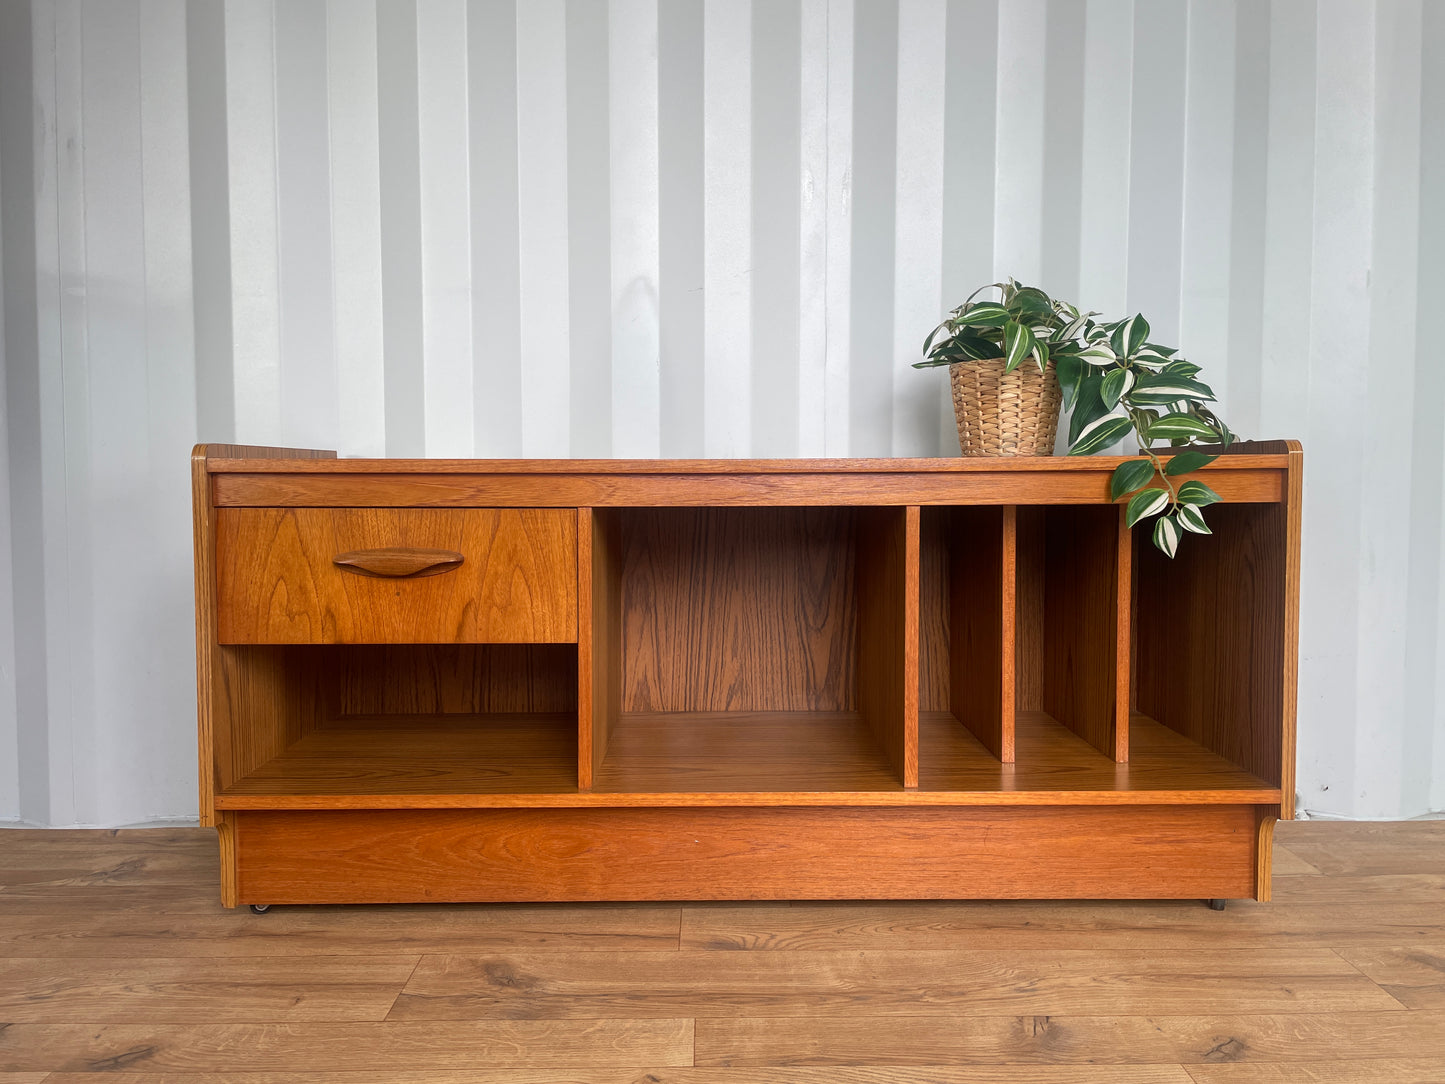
(396, 575)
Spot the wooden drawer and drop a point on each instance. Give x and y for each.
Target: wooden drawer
(396, 575)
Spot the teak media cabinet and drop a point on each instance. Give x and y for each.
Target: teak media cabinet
(436, 680)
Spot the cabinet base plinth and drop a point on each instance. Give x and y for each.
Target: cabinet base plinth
(524, 855)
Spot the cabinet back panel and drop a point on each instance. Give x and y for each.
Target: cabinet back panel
(739, 609)
(422, 679)
(933, 615)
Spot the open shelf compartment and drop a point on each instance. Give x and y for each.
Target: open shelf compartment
(1025, 609)
(1210, 641)
(750, 649)
(337, 727)
(1026, 685)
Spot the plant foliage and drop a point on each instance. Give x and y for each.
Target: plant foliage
(1115, 382)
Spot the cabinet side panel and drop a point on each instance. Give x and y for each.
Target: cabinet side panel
(269, 697)
(749, 609)
(1294, 509)
(1081, 623)
(1212, 634)
(203, 532)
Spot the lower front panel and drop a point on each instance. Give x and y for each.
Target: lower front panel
(483, 855)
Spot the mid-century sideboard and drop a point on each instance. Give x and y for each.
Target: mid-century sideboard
(476, 680)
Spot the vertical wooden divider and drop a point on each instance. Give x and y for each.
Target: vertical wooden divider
(1123, 637)
(586, 722)
(1086, 624)
(599, 638)
(887, 579)
(983, 584)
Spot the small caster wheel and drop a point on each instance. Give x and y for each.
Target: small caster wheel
(1216, 905)
(260, 908)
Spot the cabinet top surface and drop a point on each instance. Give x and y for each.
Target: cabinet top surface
(220, 461)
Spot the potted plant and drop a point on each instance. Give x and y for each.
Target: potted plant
(1002, 405)
(1116, 383)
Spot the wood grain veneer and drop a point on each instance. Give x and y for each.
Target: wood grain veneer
(599, 648)
(746, 485)
(1211, 650)
(738, 610)
(982, 691)
(682, 854)
(753, 759)
(1086, 624)
(277, 582)
(887, 669)
(423, 754)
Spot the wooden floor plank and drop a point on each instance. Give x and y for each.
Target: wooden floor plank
(1163, 926)
(1344, 1071)
(1186, 1040)
(707, 984)
(1367, 847)
(1413, 975)
(374, 1048)
(1289, 864)
(886, 1074)
(140, 921)
(334, 988)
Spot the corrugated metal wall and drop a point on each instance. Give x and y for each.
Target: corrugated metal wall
(687, 228)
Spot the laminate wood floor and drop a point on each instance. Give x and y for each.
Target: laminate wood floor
(116, 959)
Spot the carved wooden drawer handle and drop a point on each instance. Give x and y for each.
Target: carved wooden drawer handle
(397, 562)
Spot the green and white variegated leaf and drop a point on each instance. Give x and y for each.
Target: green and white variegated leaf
(1098, 354)
(1018, 344)
(1071, 329)
(1128, 476)
(1184, 462)
(1030, 299)
(1178, 425)
(1166, 535)
(1117, 383)
(1101, 433)
(985, 314)
(1154, 350)
(1175, 387)
(1192, 519)
(1197, 494)
(1153, 365)
(1145, 503)
(1041, 354)
(1136, 332)
(1180, 367)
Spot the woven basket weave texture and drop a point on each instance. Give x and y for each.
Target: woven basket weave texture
(1002, 413)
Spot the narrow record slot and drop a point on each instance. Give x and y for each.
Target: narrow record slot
(1074, 645)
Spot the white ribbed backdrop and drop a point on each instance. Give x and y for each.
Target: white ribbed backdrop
(688, 228)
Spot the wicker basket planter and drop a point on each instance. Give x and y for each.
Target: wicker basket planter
(1002, 413)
